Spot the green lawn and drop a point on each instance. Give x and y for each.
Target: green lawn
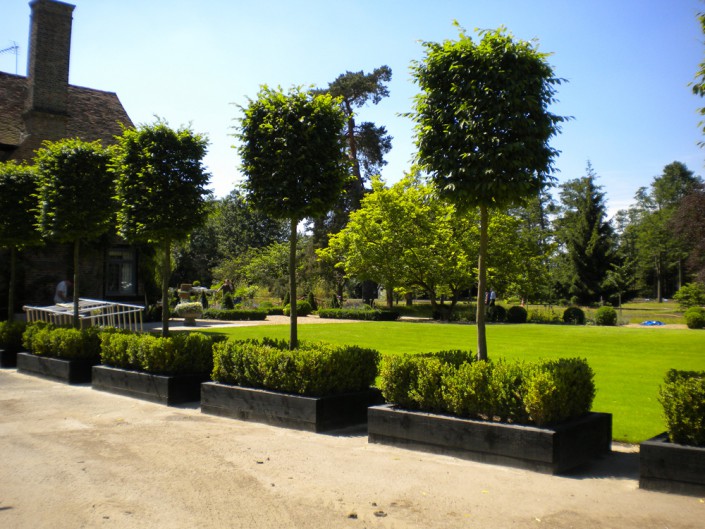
(629, 363)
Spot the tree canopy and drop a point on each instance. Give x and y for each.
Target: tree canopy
(483, 127)
(18, 203)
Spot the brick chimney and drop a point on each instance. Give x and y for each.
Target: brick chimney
(48, 68)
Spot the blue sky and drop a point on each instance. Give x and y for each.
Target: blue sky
(627, 62)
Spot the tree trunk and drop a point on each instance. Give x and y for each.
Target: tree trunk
(293, 335)
(76, 290)
(657, 266)
(482, 286)
(11, 286)
(166, 275)
(390, 296)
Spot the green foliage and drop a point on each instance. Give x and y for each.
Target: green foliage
(682, 396)
(496, 313)
(482, 117)
(228, 303)
(18, 203)
(235, 314)
(606, 316)
(60, 342)
(292, 153)
(574, 316)
(11, 335)
(164, 200)
(203, 300)
(189, 353)
(691, 295)
(584, 229)
(544, 315)
(539, 393)
(303, 308)
(517, 314)
(335, 302)
(359, 314)
(314, 369)
(76, 191)
(312, 301)
(695, 318)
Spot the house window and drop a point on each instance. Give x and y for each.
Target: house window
(121, 276)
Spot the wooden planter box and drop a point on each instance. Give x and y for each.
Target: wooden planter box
(57, 369)
(163, 389)
(8, 358)
(544, 449)
(671, 467)
(315, 414)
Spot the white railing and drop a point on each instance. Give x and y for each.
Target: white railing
(90, 312)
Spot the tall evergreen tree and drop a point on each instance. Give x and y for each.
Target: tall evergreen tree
(659, 254)
(366, 143)
(586, 236)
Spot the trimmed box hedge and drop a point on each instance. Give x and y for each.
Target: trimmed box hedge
(178, 354)
(44, 339)
(359, 314)
(682, 396)
(235, 314)
(452, 382)
(313, 369)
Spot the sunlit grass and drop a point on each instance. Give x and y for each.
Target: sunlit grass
(629, 363)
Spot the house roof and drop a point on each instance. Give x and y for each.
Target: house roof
(92, 115)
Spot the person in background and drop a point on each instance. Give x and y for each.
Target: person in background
(63, 291)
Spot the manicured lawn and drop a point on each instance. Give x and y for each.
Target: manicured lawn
(629, 363)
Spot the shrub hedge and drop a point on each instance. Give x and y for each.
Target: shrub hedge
(188, 353)
(517, 314)
(359, 314)
(302, 309)
(60, 342)
(606, 316)
(574, 315)
(313, 369)
(234, 314)
(496, 314)
(695, 318)
(11, 335)
(682, 396)
(453, 382)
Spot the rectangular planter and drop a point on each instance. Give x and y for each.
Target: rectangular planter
(8, 358)
(671, 467)
(57, 369)
(544, 449)
(163, 389)
(314, 414)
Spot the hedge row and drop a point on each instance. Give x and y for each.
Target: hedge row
(359, 314)
(682, 396)
(314, 369)
(189, 353)
(524, 393)
(11, 335)
(44, 339)
(234, 314)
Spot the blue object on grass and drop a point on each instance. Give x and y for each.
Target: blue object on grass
(651, 323)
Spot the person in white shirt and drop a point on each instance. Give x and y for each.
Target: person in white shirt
(61, 295)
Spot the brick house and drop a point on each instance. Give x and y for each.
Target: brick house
(44, 106)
